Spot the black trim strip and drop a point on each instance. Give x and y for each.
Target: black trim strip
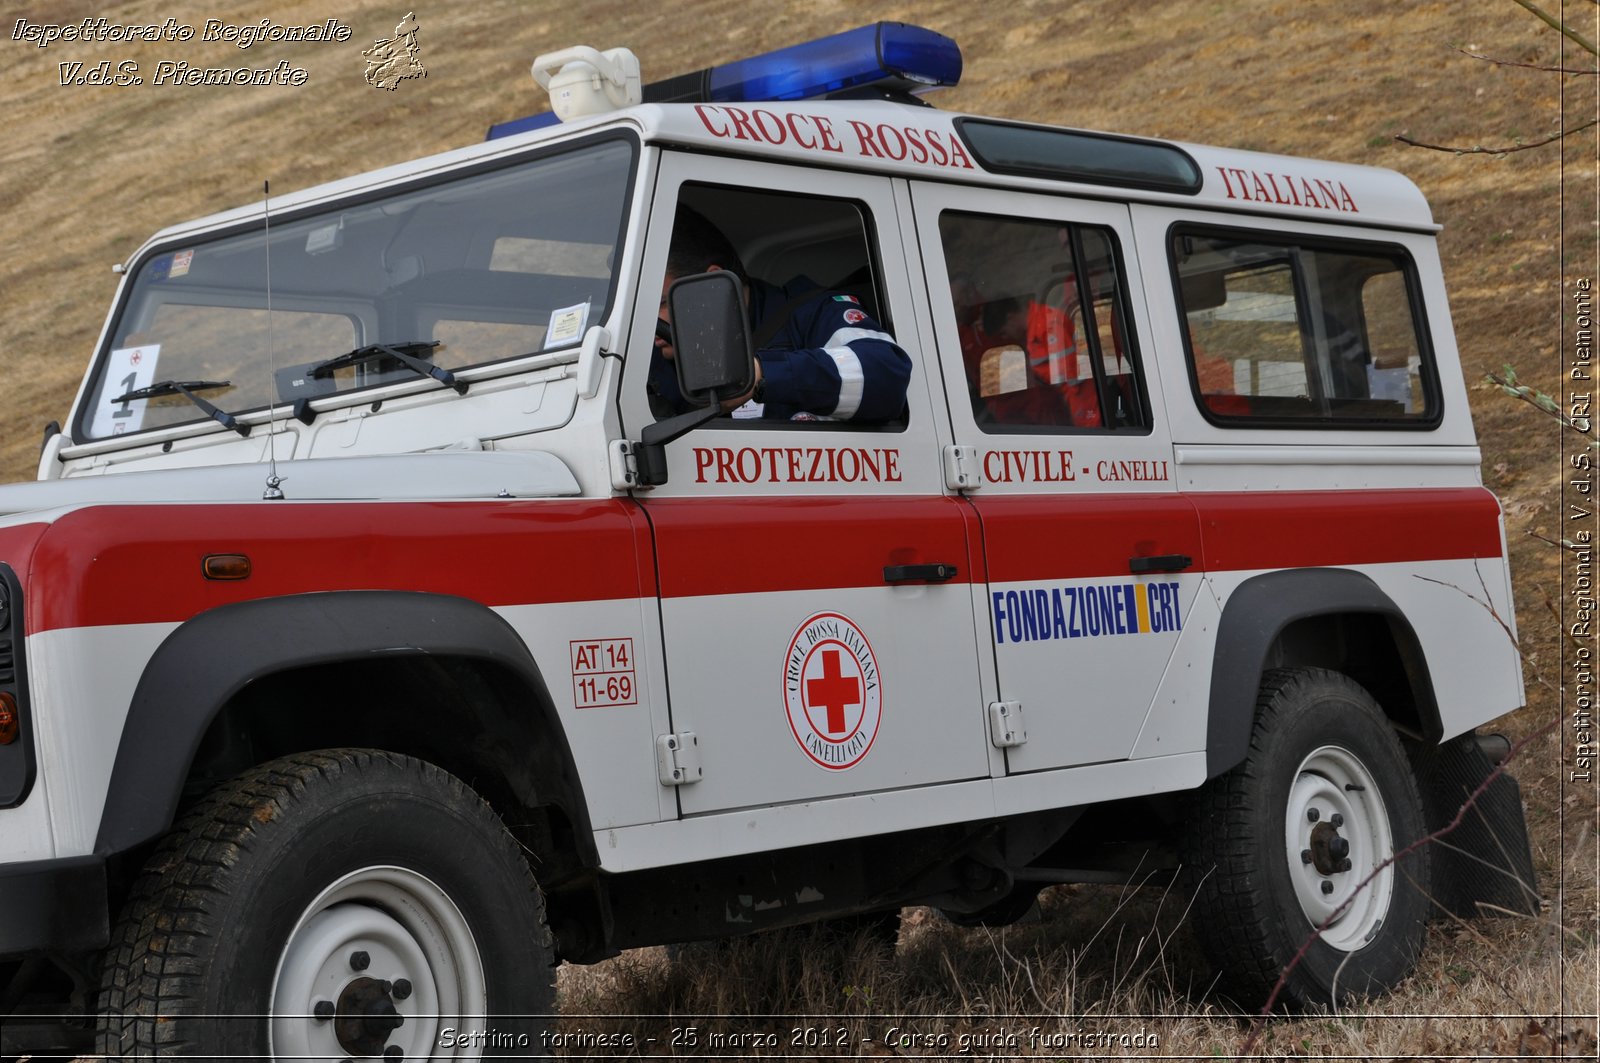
(17, 766)
(54, 906)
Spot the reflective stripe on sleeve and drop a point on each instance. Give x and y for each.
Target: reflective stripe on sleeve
(852, 383)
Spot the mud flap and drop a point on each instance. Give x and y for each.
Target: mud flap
(1484, 866)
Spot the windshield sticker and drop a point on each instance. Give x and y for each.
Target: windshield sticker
(180, 263)
(566, 326)
(832, 692)
(325, 238)
(127, 369)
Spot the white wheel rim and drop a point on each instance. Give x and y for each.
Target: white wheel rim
(1335, 792)
(409, 929)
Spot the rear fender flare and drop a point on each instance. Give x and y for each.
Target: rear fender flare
(1254, 617)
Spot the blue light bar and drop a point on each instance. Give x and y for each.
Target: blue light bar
(888, 56)
(523, 125)
(886, 59)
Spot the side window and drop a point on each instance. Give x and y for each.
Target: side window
(1302, 332)
(818, 315)
(1043, 325)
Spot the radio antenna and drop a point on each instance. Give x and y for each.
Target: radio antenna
(274, 491)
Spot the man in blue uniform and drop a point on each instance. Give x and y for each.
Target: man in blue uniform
(819, 355)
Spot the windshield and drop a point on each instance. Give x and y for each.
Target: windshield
(488, 267)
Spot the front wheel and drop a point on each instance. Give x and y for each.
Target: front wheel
(332, 905)
(1300, 836)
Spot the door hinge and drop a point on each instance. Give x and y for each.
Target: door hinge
(678, 759)
(1005, 724)
(623, 464)
(961, 472)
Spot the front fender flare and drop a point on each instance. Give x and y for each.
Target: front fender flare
(216, 654)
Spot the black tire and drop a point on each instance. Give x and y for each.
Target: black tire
(1258, 862)
(367, 879)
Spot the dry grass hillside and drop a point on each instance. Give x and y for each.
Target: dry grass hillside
(90, 172)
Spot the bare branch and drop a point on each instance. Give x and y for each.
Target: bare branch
(1560, 27)
(1506, 381)
(1402, 138)
(1531, 66)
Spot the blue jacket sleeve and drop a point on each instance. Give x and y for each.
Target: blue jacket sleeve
(841, 365)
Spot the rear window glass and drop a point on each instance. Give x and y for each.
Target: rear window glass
(1287, 331)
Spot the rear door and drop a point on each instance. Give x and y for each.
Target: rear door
(1093, 557)
(801, 655)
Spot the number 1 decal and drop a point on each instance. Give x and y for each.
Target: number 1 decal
(127, 369)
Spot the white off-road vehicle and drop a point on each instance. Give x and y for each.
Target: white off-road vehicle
(380, 632)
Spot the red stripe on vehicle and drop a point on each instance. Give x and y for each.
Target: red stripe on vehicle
(1029, 538)
(142, 564)
(1305, 529)
(1032, 537)
(763, 544)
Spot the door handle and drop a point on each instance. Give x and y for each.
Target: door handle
(1159, 563)
(936, 572)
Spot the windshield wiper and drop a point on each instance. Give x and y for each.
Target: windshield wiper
(187, 389)
(404, 353)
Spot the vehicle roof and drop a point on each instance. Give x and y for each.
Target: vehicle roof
(864, 130)
(882, 136)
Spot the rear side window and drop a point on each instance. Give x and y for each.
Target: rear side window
(1303, 333)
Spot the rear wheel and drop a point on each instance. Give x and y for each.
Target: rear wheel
(339, 904)
(1297, 837)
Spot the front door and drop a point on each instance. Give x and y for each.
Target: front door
(806, 646)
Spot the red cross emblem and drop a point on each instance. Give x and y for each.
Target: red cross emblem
(832, 691)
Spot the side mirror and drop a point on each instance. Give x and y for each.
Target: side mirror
(714, 360)
(712, 337)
